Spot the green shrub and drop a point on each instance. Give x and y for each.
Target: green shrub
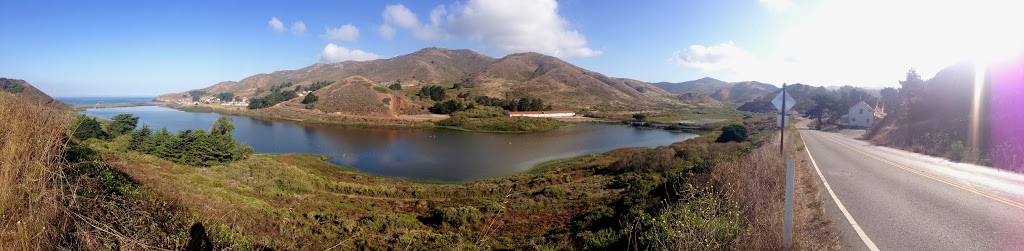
(460, 216)
(956, 151)
(552, 192)
(381, 89)
(734, 132)
(85, 128)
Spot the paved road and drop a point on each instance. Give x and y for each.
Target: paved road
(907, 201)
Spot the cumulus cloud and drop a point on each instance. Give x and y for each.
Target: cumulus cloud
(333, 54)
(275, 24)
(777, 5)
(386, 31)
(344, 33)
(724, 56)
(400, 16)
(298, 28)
(505, 26)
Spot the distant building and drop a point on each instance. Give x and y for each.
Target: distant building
(862, 115)
(543, 114)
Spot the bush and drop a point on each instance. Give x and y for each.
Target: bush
(433, 92)
(395, 86)
(309, 99)
(734, 132)
(553, 192)
(85, 128)
(460, 216)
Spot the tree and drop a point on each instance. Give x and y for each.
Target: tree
(395, 86)
(734, 132)
(222, 127)
(826, 105)
(197, 94)
(891, 100)
(911, 93)
(435, 93)
(121, 124)
(309, 99)
(639, 117)
(138, 139)
(86, 128)
(226, 96)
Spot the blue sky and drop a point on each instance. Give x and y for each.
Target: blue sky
(146, 48)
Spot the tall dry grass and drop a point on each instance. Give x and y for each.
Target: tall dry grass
(32, 200)
(756, 182)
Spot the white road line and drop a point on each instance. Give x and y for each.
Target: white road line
(860, 232)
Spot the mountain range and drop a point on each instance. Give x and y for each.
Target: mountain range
(738, 92)
(520, 75)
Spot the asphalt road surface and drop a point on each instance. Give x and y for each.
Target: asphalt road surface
(897, 200)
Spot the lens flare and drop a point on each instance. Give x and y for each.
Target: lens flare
(1006, 113)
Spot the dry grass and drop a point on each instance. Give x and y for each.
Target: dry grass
(757, 182)
(32, 200)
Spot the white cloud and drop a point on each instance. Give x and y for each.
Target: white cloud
(298, 28)
(333, 54)
(275, 24)
(724, 56)
(386, 31)
(777, 5)
(344, 33)
(400, 16)
(505, 26)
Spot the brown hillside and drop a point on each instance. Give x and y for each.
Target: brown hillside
(430, 65)
(743, 92)
(698, 99)
(360, 96)
(562, 84)
(23, 88)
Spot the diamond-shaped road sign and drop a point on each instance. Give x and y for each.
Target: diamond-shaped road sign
(789, 102)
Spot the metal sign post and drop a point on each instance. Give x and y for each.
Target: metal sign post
(783, 103)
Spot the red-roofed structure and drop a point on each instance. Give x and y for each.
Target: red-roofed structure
(545, 114)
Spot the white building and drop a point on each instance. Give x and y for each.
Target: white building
(543, 114)
(862, 115)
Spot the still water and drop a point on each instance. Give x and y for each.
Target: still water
(429, 154)
(91, 101)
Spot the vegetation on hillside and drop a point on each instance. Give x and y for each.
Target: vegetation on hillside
(941, 117)
(695, 194)
(433, 92)
(277, 95)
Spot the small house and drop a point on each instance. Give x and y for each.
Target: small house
(862, 115)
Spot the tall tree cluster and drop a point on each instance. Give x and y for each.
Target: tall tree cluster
(191, 147)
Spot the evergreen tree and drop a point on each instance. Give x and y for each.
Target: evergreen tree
(139, 138)
(86, 127)
(309, 99)
(121, 124)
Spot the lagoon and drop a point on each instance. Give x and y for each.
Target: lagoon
(414, 153)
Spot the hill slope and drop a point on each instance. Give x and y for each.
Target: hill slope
(23, 88)
(532, 75)
(357, 95)
(743, 92)
(563, 84)
(430, 66)
(705, 86)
